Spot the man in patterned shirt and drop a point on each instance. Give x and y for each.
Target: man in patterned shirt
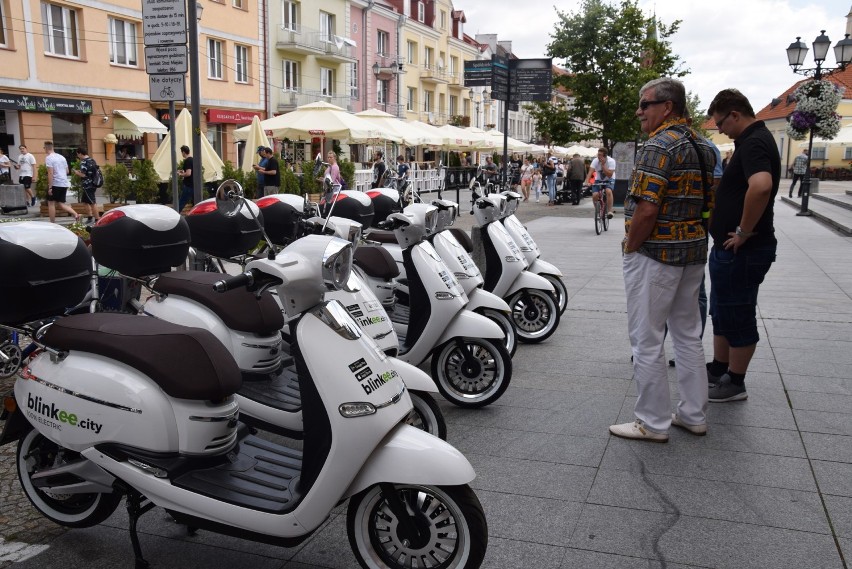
(665, 250)
(800, 166)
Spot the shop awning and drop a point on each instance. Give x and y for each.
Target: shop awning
(133, 124)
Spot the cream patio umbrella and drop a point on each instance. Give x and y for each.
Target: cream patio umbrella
(480, 138)
(447, 142)
(458, 137)
(512, 144)
(256, 138)
(320, 120)
(409, 135)
(211, 164)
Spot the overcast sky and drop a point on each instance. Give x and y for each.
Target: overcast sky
(724, 43)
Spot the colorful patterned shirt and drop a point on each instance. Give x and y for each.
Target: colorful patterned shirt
(667, 173)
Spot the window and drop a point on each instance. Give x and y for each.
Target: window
(241, 4)
(214, 59)
(818, 153)
(326, 27)
(454, 105)
(847, 153)
(289, 15)
(412, 99)
(382, 91)
(326, 82)
(2, 26)
(454, 65)
(216, 136)
(122, 42)
(290, 80)
(443, 20)
(353, 81)
(421, 12)
(383, 43)
(60, 30)
(466, 107)
(461, 30)
(428, 56)
(241, 56)
(427, 101)
(412, 52)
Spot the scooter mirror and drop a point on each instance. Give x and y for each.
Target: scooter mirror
(229, 198)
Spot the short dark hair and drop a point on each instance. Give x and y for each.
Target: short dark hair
(380, 153)
(267, 150)
(604, 150)
(728, 100)
(48, 144)
(82, 150)
(184, 149)
(400, 157)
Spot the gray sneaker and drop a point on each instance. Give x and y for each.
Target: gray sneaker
(712, 379)
(724, 391)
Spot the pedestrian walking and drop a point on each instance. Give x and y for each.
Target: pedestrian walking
(26, 167)
(187, 193)
(800, 166)
(57, 183)
(87, 171)
(576, 175)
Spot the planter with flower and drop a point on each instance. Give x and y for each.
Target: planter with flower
(816, 110)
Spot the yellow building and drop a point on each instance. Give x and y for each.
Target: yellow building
(70, 67)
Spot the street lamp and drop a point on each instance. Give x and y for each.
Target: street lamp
(477, 99)
(796, 53)
(193, 14)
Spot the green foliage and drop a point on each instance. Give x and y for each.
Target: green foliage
(146, 184)
(116, 182)
(309, 182)
(76, 181)
(454, 160)
(289, 182)
(609, 53)
(698, 115)
(460, 120)
(556, 124)
(347, 171)
(41, 183)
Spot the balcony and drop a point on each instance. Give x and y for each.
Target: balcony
(330, 47)
(432, 74)
(433, 118)
(394, 109)
(389, 66)
(336, 49)
(289, 100)
(455, 79)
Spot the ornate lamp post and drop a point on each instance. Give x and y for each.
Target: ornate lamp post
(796, 53)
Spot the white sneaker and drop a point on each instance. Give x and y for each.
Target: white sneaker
(636, 430)
(698, 430)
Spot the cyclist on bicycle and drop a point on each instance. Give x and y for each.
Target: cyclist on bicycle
(604, 168)
(489, 171)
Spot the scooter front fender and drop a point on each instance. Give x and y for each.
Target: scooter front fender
(540, 267)
(529, 280)
(481, 298)
(408, 455)
(467, 324)
(415, 379)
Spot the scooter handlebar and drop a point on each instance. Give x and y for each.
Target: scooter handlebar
(230, 283)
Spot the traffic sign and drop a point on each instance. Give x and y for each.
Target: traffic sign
(477, 73)
(165, 59)
(164, 21)
(531, 79)
(167, 87)
(499, 77)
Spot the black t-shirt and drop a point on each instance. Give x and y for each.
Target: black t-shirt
(187, 165)
(272, 179)
(755, 152)
(378, 173)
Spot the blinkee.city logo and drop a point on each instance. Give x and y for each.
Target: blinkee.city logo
(363, 373)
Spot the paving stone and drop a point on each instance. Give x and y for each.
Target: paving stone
(834, 385)
(578, 558)
(512, 554)
(531, 478)
(824, 422)
(529, 519)
(840, 510)
(836, 448)
(834, 477)
(830, 402)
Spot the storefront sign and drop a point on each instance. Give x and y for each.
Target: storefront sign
(10, 102)
(218, 116)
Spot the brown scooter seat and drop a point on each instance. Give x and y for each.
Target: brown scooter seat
(239, 309)
(187, 363)
(382, 236)
(376, 262)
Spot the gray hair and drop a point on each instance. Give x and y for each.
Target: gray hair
(668, 89)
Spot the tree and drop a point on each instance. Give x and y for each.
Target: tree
(698, 115)
(609, 53)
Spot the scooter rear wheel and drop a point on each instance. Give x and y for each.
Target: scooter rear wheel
(451, 529)
(37, 455)
(472, 372)
(426, 415)
(535, 314)
(504, 322)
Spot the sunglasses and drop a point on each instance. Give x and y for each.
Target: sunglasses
(645, 104)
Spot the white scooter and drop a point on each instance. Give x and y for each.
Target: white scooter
(97, 417)
(531, 297)
(530, 249)
(248, 324)
(470, 364)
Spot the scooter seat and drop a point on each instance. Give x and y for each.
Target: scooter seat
(187, 363)
(376, 262)
(382, 236)
(239, 309)
(463, 238)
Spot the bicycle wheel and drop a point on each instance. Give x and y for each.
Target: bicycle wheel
(598, 224)
(605, 218)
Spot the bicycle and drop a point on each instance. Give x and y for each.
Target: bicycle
(601, 210)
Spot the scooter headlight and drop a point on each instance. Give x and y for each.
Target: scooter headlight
(354, 234)
(431, 221)
(337, 263)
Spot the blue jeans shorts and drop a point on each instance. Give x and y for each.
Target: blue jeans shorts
(734, 282)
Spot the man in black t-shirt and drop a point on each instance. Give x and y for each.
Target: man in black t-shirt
(87, 171)
(379, 169)
(271, 173)
(744, 242)
(185, 174)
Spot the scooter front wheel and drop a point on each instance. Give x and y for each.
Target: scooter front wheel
(38, 455)
(535, 314)
(444, 527)
(472, 372)
(561, 291)
(504, 322)
(426, 415)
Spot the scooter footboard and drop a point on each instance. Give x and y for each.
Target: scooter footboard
(541, 267)
(411, 456)
(467, 324)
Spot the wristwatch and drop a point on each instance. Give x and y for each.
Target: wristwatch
(739, 231)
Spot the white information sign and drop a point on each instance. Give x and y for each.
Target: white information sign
(167, 87)
(165, 59)
(164, 21)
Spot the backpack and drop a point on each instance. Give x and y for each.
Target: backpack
(98, 177)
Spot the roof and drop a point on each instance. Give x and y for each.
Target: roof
(781, 106)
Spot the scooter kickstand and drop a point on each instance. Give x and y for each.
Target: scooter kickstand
(135, 510)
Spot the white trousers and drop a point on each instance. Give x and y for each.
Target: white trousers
(658, 293)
